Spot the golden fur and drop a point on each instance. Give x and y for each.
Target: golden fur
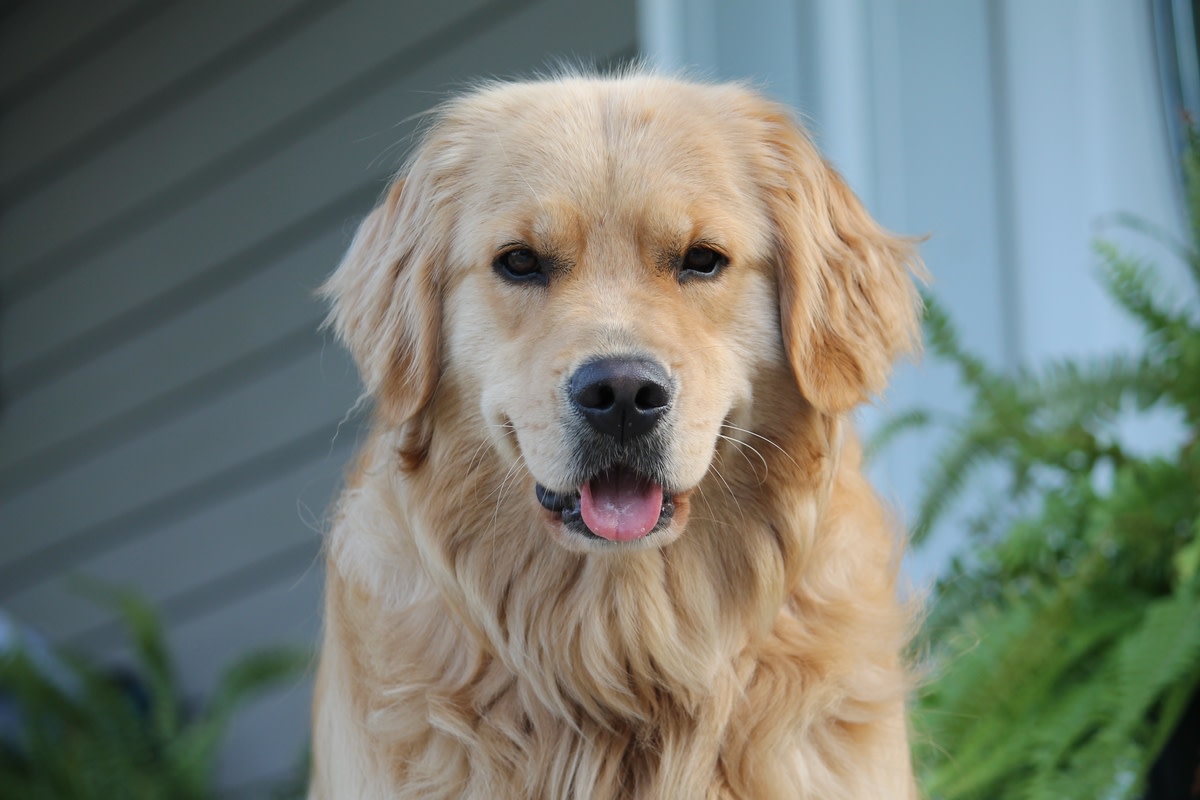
(474, 647)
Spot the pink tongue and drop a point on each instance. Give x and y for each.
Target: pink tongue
(620, 506)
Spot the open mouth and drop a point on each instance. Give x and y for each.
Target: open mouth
(618, 504)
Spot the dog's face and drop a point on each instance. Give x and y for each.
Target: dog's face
(616, 307)
(610, 272)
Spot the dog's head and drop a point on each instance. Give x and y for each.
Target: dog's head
(604, 274)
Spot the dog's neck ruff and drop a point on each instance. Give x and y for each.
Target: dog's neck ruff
(631, 665)
(611, 636)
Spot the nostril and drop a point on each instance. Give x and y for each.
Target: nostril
(652, 396)
(596, 396)
(605, 397)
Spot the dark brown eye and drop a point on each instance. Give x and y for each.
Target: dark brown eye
(520, 264)
(701, 262)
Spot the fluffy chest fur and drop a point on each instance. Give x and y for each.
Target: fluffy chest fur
(756, 659)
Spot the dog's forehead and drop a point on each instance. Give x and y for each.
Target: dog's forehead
(585, 137)
(619, 150)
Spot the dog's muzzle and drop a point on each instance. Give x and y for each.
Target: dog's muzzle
(622, 400)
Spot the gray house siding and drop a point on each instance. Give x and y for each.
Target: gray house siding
(175, 179)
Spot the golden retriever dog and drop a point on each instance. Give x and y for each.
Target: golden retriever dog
(609, 536)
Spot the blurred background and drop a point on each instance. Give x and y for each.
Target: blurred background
(177, 177)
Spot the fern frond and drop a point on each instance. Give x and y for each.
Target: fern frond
(1132, 284)
(1156, 233)
(942, 338)
(954, 466)
(1093, 387)
(249, 676)
(1164, 647)
(1037, 667)
(882, 437)
(149, 642)
(95, 735)
(1170, 711)
(1191, 183)
(1077, 712)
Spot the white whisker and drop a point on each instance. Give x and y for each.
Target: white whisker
(785, 453)
(732, 493)
(500, 492)
(739, 444)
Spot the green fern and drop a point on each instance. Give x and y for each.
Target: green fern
(1065, 648)
(87, 736)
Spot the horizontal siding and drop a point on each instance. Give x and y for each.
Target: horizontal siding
(181, 154)
(186, 360)
(176, 178)
(41, 42)
(197, 448)
(259, 524)
(158, 65)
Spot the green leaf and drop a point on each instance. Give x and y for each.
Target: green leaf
(1132, 284)
(1187, 560)
(249, 677)
(81, 734)
(893, 427)
(149, 641)
(1162, 649)
(954, 466)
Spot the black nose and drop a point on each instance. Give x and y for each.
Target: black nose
(621, 397)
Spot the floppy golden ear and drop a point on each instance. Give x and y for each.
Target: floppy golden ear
(848, 304)
(386, 305)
